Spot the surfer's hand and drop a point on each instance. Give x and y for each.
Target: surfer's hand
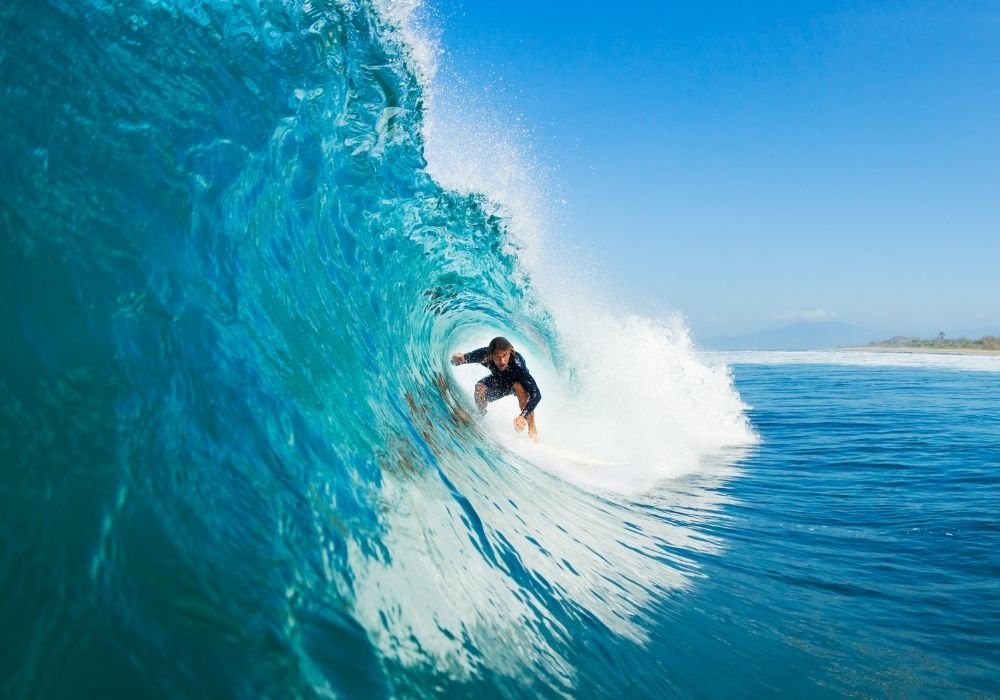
(457, 359)
(520, 423)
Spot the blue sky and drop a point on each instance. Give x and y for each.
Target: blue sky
(752, 164)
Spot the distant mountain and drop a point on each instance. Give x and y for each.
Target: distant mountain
(814, 335)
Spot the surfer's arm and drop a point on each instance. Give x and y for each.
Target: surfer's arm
(534, 393)
(475, 356)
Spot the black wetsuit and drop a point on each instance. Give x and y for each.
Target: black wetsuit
(500, 383)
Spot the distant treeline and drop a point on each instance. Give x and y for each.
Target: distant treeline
(987, 342)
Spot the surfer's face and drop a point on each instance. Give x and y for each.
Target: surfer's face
(501, 358)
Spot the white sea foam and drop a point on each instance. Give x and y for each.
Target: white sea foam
(631, 390)
(967, 362)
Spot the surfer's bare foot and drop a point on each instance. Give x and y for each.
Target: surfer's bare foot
(533, 434)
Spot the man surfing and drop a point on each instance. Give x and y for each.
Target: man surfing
(508, 375)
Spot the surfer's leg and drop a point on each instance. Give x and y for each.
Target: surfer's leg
(522, 400)
(532, 430)
(480, 395)
(490, 389)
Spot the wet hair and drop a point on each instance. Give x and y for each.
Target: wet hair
(499, 344)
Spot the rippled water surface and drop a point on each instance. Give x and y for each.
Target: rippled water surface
(862, 543)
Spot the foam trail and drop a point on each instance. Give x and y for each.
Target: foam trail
(958, 361)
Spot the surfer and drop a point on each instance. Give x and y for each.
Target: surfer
(508, 375)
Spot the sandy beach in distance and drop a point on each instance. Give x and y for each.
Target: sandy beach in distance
(921, 351)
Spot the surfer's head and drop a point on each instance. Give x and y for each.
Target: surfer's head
(501, 351)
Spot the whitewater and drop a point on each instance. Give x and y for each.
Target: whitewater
(241, 241)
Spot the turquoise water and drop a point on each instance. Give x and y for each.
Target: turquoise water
(236, 462)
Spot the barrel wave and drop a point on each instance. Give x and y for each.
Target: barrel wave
(236, 460)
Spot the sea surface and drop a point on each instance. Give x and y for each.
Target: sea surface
(240, 241)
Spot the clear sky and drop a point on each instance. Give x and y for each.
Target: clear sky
(751, 164)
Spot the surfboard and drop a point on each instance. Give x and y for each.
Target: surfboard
(571, 456)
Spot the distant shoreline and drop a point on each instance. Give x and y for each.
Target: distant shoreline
(919, 351)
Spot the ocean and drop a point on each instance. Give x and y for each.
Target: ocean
(241, 241)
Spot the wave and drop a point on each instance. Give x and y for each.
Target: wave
(230, 429)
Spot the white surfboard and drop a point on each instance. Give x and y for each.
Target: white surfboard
(571, 456)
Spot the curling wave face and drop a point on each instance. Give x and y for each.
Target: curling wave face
(237, 462)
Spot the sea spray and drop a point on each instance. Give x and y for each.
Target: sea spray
(616, 385)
